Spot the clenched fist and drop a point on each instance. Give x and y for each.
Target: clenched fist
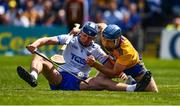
(90, 60)
(31, 48)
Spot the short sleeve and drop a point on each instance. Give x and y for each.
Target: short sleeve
(62, 38)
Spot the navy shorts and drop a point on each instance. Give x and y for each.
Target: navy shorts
(136, 70)
(69, 82)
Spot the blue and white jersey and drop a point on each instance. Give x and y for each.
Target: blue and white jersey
(75, 55)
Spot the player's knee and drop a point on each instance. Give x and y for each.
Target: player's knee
(93, 84)
(97, 81)
(100, 81)
(38, 58)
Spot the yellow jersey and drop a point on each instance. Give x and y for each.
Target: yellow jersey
(126, 54)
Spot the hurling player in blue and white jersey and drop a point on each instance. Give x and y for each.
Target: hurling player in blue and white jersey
(75, 54)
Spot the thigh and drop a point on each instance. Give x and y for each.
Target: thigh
(151, 87)
(69, 82)
(51, 73)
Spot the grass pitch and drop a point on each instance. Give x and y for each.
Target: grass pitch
(14, 91)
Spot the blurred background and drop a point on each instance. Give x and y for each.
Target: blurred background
(151, 25)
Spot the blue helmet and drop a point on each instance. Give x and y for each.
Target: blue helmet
(112, 32)
(90, 28)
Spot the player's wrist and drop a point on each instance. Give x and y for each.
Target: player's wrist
(95, 65)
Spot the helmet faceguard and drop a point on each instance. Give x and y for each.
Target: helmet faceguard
(90, 28)
(113, 33)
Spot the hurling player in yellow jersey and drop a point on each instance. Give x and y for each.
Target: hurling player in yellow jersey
(124, 58)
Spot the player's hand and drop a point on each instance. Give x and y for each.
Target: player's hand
(75, 31)
(90, 60)
(31, 48)
(123, 76)
(101, 26)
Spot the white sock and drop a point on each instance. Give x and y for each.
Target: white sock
(34, 73)
(131, 88)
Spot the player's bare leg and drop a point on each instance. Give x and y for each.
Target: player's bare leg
(40, 65)
(104, 83)
(151, 87)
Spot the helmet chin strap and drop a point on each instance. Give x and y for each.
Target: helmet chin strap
(117, 43)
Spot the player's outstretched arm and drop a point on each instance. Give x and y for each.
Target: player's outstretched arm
(42, 41)
(111, 72)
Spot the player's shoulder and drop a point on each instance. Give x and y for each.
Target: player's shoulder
(63, 35)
